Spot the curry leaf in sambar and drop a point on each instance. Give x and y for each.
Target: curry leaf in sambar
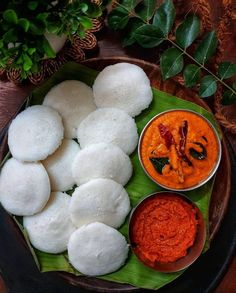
(188, 31)
(148, 36)
(192, 75)
(171, 62)
(208, 86)
(226, 70)
(164, 17)
(159, 163)
(206, 48)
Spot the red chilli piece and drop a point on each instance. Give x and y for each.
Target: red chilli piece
(167, 135)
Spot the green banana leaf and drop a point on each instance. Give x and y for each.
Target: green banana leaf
(133, 272)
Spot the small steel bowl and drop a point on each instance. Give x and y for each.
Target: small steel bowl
(193, 252)
(213, 169)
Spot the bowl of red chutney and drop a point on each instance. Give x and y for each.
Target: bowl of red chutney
(167, 231)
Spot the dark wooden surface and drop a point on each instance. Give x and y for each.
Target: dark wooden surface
(109, 44)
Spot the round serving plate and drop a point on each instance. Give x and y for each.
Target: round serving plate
(15, 241)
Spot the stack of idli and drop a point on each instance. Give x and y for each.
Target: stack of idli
(80, 137)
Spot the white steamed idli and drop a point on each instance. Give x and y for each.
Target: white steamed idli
(73, 99)
(35, 133)
(99, 200)
(97, 249)
(124, 86)
(50, 230)
(59, 166)
(102, 160)
(24, 187)
(109, 125)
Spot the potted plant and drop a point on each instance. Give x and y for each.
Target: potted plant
(31, 31)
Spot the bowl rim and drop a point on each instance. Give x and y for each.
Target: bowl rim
(202, 233)
(213, 171)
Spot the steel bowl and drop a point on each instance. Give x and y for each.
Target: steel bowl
(193, 252)
(213, 169)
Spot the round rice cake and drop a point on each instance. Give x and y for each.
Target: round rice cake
(102, 160)
(97, 249)
(124, 86)
(59, 166)
(24, 187)
(50, 230)
(73, 99)
(99, 200)
(109, 125)
(35, 133)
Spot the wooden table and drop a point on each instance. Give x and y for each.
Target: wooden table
(109, 44)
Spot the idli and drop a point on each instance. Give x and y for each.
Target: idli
(109, 125)
(124, 86)
(101, 200)
(73, 99)
(35, 133)
(59, 166)
(24, 187)
(97, 249)
(101, 160)
(50, 230)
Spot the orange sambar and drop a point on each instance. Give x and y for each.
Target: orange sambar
(179, 149)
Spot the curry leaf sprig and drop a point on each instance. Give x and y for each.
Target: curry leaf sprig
(23, 25)
(148, 25)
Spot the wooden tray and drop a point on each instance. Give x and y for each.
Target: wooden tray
(221, 190)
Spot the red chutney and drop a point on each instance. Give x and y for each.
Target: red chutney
(164, 227)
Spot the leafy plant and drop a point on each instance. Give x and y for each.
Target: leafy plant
(150, 26)
(23, 25)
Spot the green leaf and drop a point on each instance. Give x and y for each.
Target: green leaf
(10, 16)
(206, 48)
(229, 97)
(84, 7)
(52, 27)
(196, 154)
(171, 62)
(159, 163)
(118, 18)
(192, 74)
(188, 31)
(10, 36)
(93, 10)
(31, 51)
(32, 5)
(86, 22)
(208, 86)
(129, 38)
(164, 17)
(24, 23)
(226, 70)
(129, 4)
(146, 9)
(148, 36)
(27, 62)
(48, 49)
(37, 27)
